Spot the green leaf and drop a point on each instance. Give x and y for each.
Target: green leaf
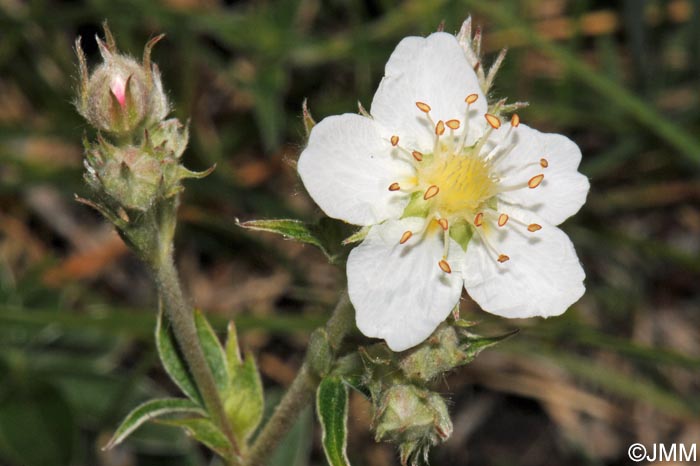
(289, 228)
(172, 360)
(150, 410)
(327, 235)
(244, 401)
(213, 351)
(332, 410)
(37, 427)
(205, 432)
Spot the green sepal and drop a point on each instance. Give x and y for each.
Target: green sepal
(358, 236)
(332, 411)
(461, 231)
(417, 206)
(320, 352)
(205, 432)
(151, 410)
(244, 401)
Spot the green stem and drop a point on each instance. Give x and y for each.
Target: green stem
(301, 392)
(182, 321)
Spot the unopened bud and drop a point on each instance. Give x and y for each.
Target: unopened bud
(413, 417)
(121, 95)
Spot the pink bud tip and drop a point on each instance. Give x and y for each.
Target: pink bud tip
(118, 88)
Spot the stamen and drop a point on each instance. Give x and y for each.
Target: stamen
(479, 219)
(443, 223)
(394, 187)
(452, 124)
(444, 266)
(514, 120)
(406, 236)
(394, 140)
(493, 120)
(533, 227)
(503, 258)
(499, 257)
(535, 181)
(471, 98)
(423, 107)
(502, 219)
(440, 128)
(431, 192)
(544, 163)
(417, 155)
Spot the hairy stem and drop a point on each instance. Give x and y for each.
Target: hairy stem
(182, 320)
(301, 392)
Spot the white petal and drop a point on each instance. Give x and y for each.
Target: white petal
(542, 278)
(398, 290)
(433, 70)
(347, 169)
(563, 190)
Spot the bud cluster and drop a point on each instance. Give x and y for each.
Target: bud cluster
(134, 167)
(405, 411)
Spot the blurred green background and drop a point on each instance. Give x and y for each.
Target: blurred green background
(77, 310)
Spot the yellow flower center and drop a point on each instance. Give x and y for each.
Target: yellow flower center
(464, 181)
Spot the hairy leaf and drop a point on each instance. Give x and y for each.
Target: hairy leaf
(332, 410)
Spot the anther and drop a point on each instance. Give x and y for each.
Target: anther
(452, 124)
(502, 219)
(417, 155)
(544, 163)
(471, 98)
(444, 266)
(431, 192)
(479, 219)
(423, 107)
(394, 140)
(533, 227)
(406, 236)
(503, 258)
(535, 181)
(394, 187)
(514, 120)
(443, 223)
(440, 128)
(493, 120)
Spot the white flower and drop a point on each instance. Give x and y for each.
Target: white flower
(454, 198)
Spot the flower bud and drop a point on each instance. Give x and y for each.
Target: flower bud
(413, 417)
(121, 95)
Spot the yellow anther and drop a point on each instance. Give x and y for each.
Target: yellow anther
(544, 163)
(503, 258)
(493, 120)
(514, 120)
(479, 219)
(444, 266)
(452, 124)
(406, 236)
(431, 192)
(502, 220)
(471, 98)
(535, 181)
(417, 155)
(394, 140)
(394, 187)
(443, 223)
(533, 227)
(423, 107)
(440, 128)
